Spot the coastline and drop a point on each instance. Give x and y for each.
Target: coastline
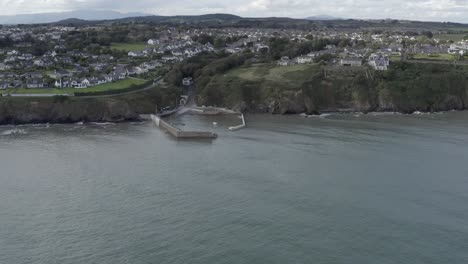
(63, 110)
(134, 117)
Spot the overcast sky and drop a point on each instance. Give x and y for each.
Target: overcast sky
(433, 10)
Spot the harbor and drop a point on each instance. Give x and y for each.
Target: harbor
(160, 122)
(180, 134)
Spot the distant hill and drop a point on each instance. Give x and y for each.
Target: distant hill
(184, 19)
(219, 20)
(323, 17)
(60, 16)
(89, 17)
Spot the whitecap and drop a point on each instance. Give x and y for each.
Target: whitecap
(307, 116)
(102, 123)
(14, 131)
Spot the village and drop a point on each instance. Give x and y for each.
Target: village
(46, 57)
(62, 67)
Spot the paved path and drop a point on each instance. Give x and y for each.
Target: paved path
(438, 62)
(153, 85)
(120, 94)
(156, 82)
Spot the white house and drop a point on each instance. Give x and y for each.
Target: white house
(12, 52)
(35, 83)
(187, 81)
(379, 61)
(285, 61)
(457, 47)
(351, 61)
(177, 52)
(304, 59)
(79, 84)
(153, 42)
(136, 54)
(4, 66)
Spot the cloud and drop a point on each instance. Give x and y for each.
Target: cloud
(434, 10)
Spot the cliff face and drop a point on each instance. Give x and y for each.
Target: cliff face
(313, 89)
(72, 110)
(298, 102)
(64, 112)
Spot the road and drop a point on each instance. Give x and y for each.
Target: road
(438, 62)
(156, 82)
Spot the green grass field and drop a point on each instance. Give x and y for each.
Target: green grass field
(453, 37)
(441, 57)
(273, 73)
(118, 85)
(394, 58)
(129, 46)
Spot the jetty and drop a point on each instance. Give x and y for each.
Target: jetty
(193, 110)
(181, 134)
(234, 128)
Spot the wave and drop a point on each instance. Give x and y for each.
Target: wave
(384, 113)
(102, 123)
(307, 116)
(15, 131)
(316, 116)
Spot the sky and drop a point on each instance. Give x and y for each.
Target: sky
(426, 10)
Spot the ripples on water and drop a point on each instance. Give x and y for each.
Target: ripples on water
(337, 189)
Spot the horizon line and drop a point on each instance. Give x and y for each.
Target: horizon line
(332, 18)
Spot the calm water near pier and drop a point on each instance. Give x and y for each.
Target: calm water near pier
(340, 189)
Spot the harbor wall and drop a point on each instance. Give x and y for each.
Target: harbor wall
(177, 133)
(234, 128)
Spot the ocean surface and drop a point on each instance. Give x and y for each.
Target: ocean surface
(337, 189)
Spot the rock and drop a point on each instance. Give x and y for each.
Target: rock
(52, 110)
(291, 103)
(449, 103)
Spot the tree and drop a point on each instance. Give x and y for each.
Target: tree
(428, 34)
(277, 47)
(219, 43)
(204, 39)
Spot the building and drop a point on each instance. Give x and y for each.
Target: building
(187, 81)
(58, 74)
(304, 59)
(33, 75)
(4, 67)
(457, 47)
(136, 54)
(153, 42)
(4, 84)
(351, 62)
(285, 61)
(35, 83)
(379, 62)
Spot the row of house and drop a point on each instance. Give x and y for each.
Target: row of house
(377, 61)
(185, 48)
(65, 80)
(18, 83)
(460, 48)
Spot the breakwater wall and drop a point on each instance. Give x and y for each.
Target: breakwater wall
(180, 134)
(234, 128)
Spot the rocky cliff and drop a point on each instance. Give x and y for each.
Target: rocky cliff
(312, 89)
(14, 110)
